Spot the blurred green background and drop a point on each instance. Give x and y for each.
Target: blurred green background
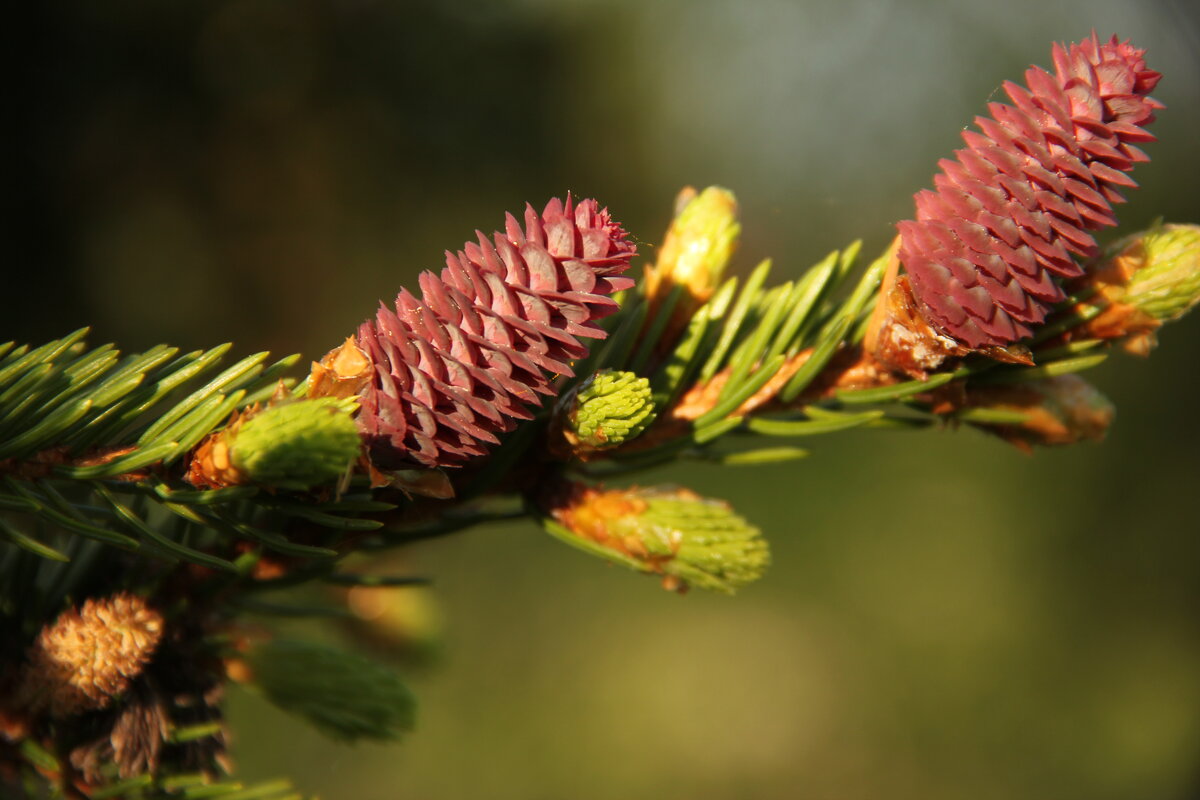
(945, 618)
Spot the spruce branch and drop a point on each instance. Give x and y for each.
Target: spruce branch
(149, 501)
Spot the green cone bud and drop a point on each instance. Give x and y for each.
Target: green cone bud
(610, 408)
(344, 695)
(298, 444)
(1167, 285)
(688, 539)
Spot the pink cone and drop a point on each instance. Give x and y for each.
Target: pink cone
(989, 246)
(479, 349)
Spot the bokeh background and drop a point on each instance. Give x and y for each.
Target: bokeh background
(945, 618)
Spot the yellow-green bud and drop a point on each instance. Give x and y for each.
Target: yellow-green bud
(1142, 281)
(608, 409)
(1167, 284)
(698, 245)
(297, 444)
(344, 695)
(688, 539)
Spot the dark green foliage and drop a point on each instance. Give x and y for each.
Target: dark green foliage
(94, 446)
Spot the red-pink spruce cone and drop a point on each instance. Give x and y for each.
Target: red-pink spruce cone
(468, 359)
(1018, 200)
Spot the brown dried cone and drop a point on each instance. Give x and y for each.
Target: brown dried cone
(467, 360)
(134, 740)
(181, 688)
(87, 657)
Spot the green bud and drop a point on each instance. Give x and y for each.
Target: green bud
(1167, 284)
(688, 539)
(344, 695)
(716, 548)
(297, 444)
(609, 408)
(698, 245)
